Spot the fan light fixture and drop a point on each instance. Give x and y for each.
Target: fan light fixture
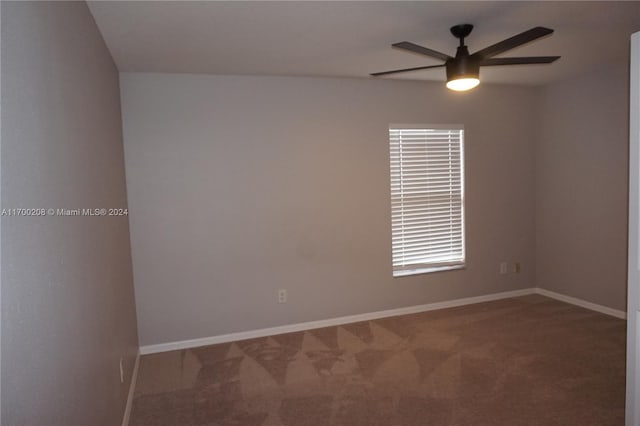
(463, 72)
(462, 84)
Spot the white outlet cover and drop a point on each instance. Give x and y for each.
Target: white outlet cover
(503, 268)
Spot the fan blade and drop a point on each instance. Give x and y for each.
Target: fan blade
(376, 74)
(411, 47)
(512, 42)
(519, 61)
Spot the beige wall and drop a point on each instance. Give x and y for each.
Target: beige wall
(68, 311)
(239, 186)
(581, 187)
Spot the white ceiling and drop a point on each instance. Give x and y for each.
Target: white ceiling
(352, 39)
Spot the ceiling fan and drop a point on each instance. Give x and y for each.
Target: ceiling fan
(463, 70)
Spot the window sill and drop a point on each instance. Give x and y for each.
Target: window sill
(429, 270)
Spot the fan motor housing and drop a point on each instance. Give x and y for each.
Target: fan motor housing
(462, 67)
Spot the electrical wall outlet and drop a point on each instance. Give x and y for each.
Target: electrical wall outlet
(282, 295)
(121, 371)
(516, 267)
(503, 268)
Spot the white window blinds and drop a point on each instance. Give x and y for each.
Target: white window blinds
(427, 198)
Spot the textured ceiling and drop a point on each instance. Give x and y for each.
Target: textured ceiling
(352, 39)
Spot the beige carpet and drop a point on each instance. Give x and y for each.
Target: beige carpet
(522, 361)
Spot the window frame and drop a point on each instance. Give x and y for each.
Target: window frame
(429, 267)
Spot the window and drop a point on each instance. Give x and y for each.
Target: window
(427, 198)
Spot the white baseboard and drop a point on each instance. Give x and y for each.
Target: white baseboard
(132, 389)
(232, 337)
(582, 303)
(184, 344)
